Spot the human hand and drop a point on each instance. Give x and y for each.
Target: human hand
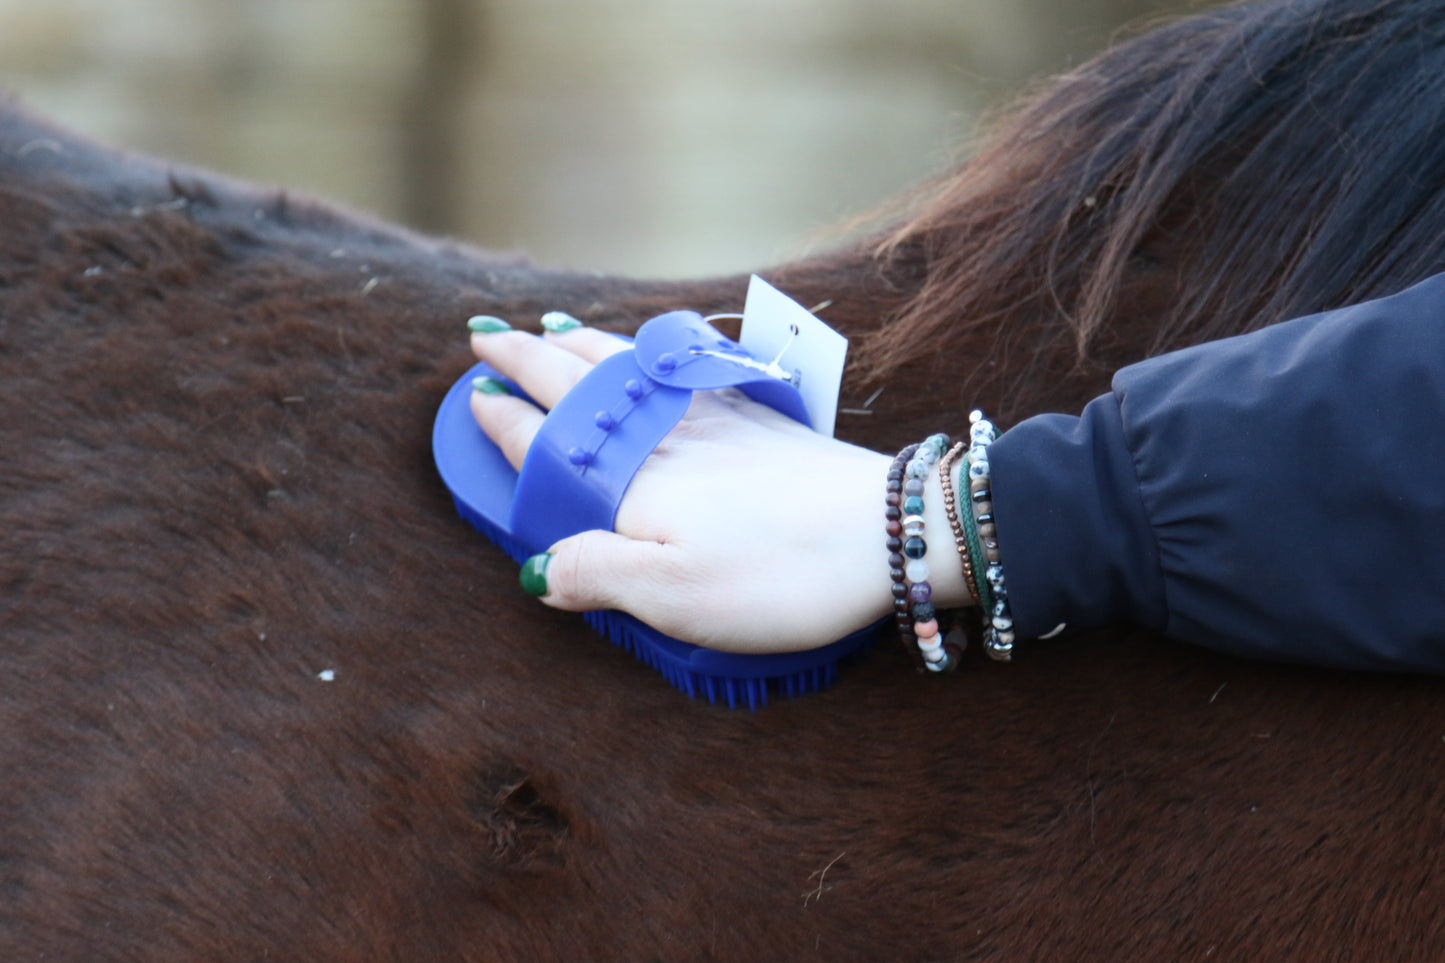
(744, 531)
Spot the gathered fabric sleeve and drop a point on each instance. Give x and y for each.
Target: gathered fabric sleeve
(1277, 495)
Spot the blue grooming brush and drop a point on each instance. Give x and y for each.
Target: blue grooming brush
(580, 464)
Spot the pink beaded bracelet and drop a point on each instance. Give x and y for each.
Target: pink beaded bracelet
(912, 592)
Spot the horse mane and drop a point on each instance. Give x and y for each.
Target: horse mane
(1221, 173)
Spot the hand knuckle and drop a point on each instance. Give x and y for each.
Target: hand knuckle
(576, 568)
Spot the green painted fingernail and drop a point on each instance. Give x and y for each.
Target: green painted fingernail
(490, 386)
(486, 324)
(558, 321)
(534, 574)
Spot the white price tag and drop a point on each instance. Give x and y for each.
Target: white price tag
(777, 327)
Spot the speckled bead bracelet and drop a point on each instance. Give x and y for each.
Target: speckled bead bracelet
(937, 657)
(998, 636)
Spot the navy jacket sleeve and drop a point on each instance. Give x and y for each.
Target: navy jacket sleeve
(1277, 495)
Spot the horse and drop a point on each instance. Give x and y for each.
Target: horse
(265, 697)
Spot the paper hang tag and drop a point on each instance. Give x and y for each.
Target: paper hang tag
(777, 327)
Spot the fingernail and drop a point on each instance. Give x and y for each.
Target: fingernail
(490, 386)
(534, 574)
(556, 322)
(486, 324)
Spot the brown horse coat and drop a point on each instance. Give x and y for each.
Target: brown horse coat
(215, 407)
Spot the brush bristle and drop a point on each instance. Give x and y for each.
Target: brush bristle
(731, 689)
(514, 549)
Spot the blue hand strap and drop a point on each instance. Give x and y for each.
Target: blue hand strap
(597, 437)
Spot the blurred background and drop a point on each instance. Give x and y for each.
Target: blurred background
(659, 138)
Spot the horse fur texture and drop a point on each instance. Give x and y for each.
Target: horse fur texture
(215, 410)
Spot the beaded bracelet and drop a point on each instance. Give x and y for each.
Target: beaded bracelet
(950, 507)
(920, 592)
(998, 618)
(957, 637)
(913, 594)
(896, 559)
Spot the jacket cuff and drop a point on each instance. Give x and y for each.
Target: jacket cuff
(1073, 538)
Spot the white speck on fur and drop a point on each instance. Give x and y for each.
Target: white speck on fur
(820, 874)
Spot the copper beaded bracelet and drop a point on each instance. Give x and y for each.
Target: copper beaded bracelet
(950, 507)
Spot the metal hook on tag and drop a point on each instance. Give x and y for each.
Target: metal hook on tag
(794, 377)
(772, 369)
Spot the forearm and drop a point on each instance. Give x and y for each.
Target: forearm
(1279, 495)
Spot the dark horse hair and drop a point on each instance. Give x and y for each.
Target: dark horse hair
(1247, 165)
(263, 695)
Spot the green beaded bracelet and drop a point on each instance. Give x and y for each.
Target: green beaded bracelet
(981, 589)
